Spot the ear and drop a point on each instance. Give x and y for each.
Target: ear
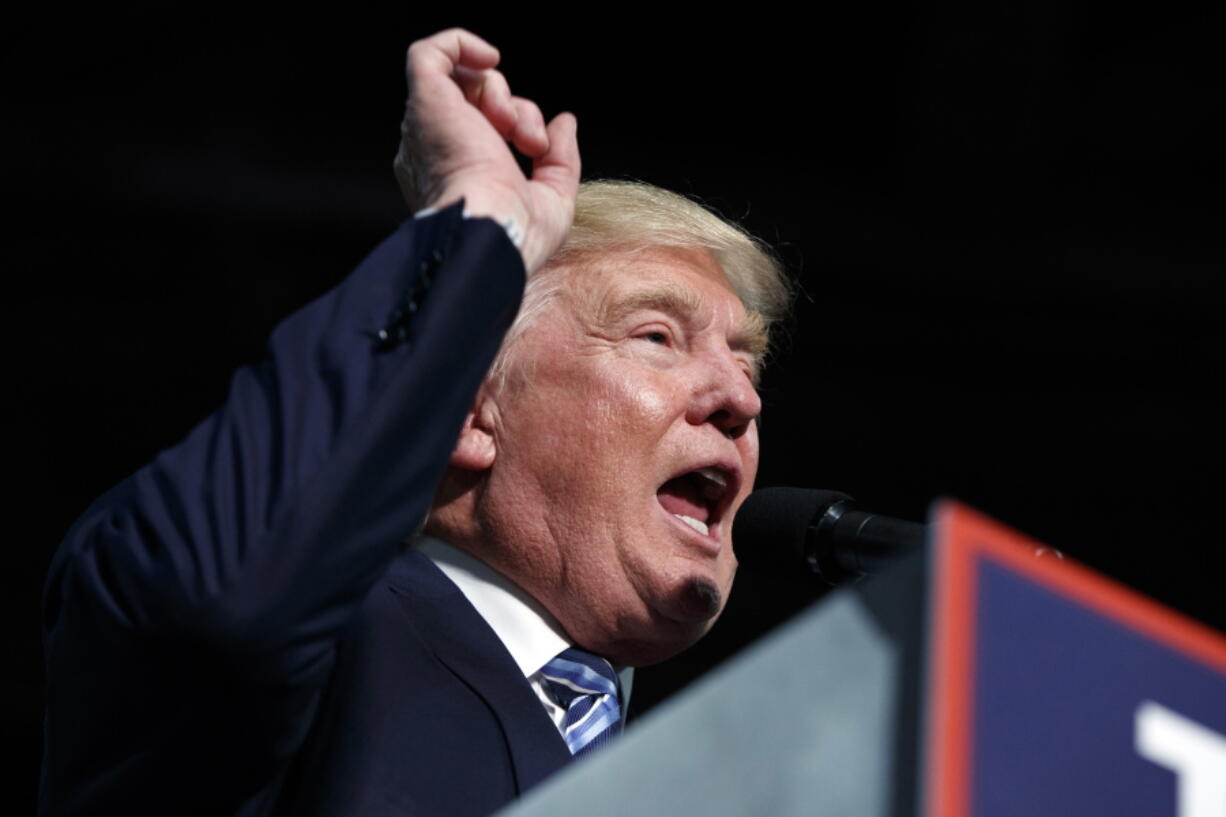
(475, 448)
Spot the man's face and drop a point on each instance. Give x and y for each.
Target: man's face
(625, 441)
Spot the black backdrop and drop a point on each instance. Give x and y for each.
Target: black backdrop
(1006, 219)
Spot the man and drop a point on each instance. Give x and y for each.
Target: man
(236, 628)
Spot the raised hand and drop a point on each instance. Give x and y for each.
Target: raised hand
(460, 125)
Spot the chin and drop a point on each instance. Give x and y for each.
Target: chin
(699, 600)
(678, 622)
(652, 617)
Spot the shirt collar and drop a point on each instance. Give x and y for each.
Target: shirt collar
(531, 635)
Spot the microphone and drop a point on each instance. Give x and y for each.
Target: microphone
(821, 530)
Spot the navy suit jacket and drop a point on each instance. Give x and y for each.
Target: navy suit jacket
(237, 629)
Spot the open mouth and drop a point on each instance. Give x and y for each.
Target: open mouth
(700, 497)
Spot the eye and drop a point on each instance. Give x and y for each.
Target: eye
(656, 334)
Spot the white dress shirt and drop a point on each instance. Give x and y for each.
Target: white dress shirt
(531, 635)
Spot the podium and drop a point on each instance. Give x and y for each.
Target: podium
(976, 678)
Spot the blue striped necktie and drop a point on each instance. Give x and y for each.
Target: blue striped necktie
(586, 686)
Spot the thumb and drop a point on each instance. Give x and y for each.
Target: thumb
(559, 167)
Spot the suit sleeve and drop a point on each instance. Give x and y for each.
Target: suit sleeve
(231, 561)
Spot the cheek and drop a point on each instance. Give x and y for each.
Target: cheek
(750, 452)
(647, 397)
(651, 404)
(625, 409)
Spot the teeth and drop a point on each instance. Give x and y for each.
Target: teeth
(696, 524)
(715, 475)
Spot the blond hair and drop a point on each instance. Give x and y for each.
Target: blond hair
(628, 217)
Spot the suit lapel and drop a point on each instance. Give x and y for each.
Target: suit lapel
(457, 634)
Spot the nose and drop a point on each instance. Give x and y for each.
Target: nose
(725, 398)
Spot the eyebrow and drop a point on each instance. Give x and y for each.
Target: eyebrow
(663, 298)
(750, 336)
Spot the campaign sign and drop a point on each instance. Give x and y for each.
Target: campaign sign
(1054, 691)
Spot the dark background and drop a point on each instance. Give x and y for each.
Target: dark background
(1006, 220)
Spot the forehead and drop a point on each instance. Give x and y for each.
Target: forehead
(625, 268)
(681, 280)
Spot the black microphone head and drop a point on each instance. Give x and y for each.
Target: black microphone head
(772, 525)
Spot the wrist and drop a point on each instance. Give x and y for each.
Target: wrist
(505, 210)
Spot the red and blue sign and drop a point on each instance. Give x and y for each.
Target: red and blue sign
(1055, 691)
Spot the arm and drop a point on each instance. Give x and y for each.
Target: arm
(275, 514)
(194, 606)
